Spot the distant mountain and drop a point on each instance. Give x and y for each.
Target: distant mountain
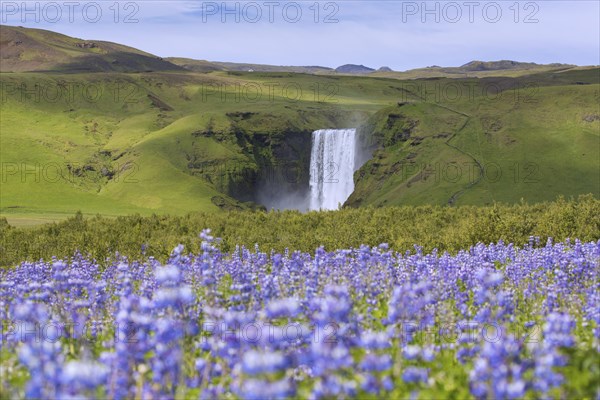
(229, 66)
(27, 49)
(478, 69)
(207, 66)
(503, 65)
(353, 69)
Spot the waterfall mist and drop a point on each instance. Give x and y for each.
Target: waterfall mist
(322, 183)
(284, 188)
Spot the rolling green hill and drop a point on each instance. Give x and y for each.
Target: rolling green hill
(123, 140)
(482, 151)
(27, 49)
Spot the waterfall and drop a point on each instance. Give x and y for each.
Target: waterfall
(332, 166)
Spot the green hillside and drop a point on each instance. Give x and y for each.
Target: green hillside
(173, 141)
(26, 49)
(534, 144)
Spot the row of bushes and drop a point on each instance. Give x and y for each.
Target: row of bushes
(445, 228)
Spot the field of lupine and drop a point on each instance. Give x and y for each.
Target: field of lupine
(496, 321)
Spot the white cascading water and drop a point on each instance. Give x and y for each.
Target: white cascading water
(332, 162)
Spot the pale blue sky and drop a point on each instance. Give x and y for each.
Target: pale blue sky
(373, 33)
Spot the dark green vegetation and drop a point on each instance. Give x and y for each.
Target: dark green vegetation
(445, 228)
(125, 140)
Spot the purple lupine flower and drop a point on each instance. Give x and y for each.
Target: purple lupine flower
(279, 308)
(372, 362)
(262, 389)
(371, 340)
(415, 375)
(498, 370)
(255, 362)
(557, 333)
(79, 377)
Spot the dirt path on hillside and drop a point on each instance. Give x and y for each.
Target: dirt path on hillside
(458, 193)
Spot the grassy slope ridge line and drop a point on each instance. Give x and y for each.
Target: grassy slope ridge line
(440, 227)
